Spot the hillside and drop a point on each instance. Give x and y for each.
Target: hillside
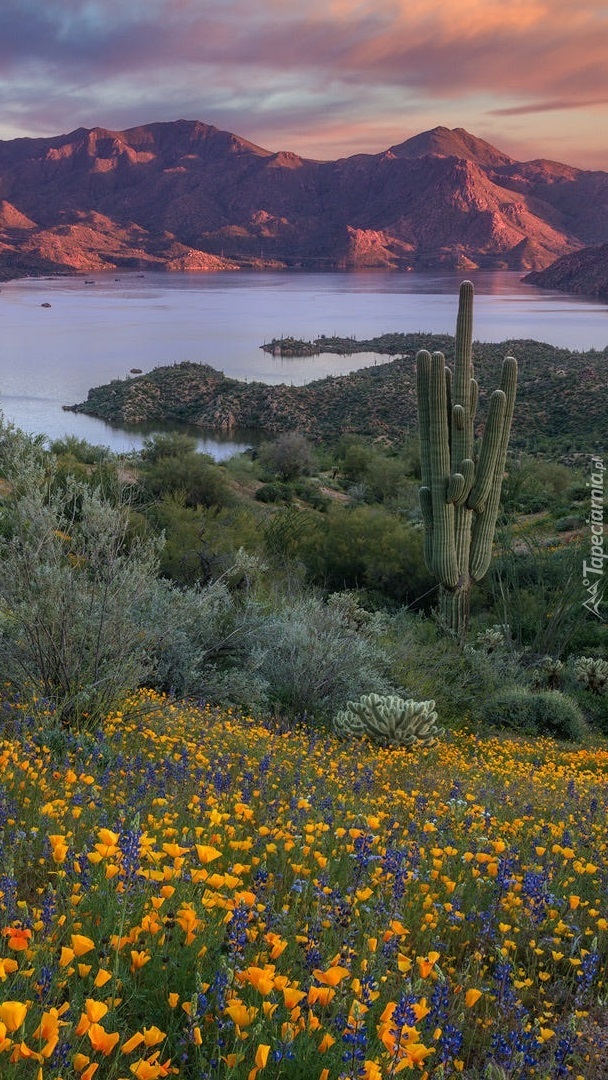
(185, 195)
(561, 395)
(584, 272)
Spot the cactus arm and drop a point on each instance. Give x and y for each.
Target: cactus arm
(423, 374)
(474, 398)
(486, 466)
(462, 441)
(467, 471)
(444, 553)
(456, 487)
(485, 523)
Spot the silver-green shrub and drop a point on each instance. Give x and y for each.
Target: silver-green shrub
(389, 721)
(72, 583)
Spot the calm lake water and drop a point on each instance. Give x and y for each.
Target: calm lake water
(91, 333)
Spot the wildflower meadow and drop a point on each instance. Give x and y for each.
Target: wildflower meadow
(191, 893)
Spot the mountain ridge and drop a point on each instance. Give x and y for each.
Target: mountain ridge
(176, 193)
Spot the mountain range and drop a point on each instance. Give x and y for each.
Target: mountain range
(184, 195)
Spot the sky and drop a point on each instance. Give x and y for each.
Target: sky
(322, 78)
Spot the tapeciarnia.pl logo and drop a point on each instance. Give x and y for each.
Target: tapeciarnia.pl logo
(594, 569)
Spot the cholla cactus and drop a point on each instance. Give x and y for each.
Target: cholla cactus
(551, 669)
(492, 638)
(389, 721)
(592, 673)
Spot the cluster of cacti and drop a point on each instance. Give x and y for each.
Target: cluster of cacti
(491, 639)
(592, 673)
(389, 720)
(460, 491)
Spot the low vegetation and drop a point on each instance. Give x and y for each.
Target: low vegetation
(200, 878)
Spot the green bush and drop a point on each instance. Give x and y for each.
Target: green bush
(367, 547)
(195, 477)
(274, 492)
(548, 712)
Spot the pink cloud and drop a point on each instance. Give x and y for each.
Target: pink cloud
(337, 68)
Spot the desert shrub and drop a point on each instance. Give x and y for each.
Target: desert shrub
(568, 523)
(274, 492)
(288, 532)
(380, 477)
(201, 543)
(535, 590)
(594, 707)
(310, 493)
(547, 712)
(174, 444)
(312, 659)
(533, 484)
(432, 665)
(208, 634)
(366, 547)
(289, 456)
(71, 585)
(194, 476)
(80, 450)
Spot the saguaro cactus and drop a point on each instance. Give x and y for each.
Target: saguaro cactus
(460, 490)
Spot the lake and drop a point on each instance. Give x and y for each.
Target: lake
(97, 329)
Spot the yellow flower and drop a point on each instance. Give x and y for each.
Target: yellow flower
(425, 966)
(471, 997)
(102, 1040)
(333, 976)
(240, 1014)
(8, 966)
(81, 944)
(153, 1036)
(206, 853)
(12, 1014)
(261, 1055)
(138, 959)
(132, 1043)
(18, 938)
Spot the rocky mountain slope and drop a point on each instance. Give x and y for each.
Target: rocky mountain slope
(584, 272)
(185, 195)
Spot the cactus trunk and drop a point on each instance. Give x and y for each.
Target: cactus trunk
(460, 493)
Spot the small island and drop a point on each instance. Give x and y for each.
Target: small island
(386, 345)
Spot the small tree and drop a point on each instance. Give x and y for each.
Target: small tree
(290, 456)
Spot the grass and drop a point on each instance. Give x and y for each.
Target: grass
(193, 894)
